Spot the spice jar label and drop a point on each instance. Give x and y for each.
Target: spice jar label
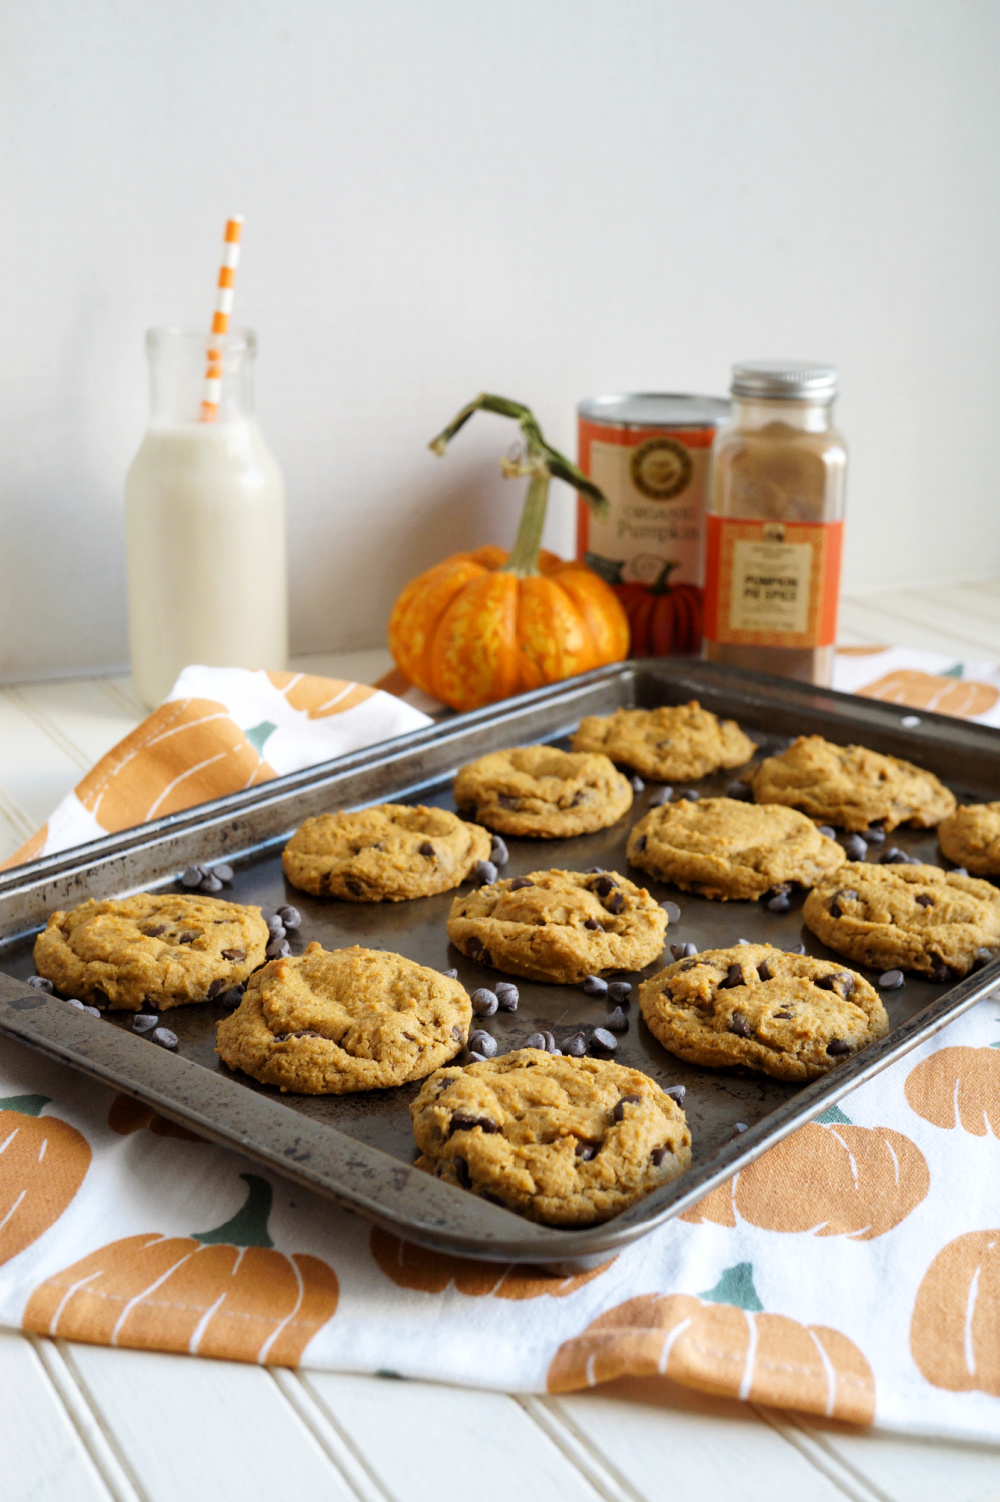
(772, 583)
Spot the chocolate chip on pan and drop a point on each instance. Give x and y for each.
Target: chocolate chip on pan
(740, 791)
(619, 990)
(603, 1039)
(276, 927)
(499, 854)
(451, 974)
(855, 847)
(661, 796)
(676, 1093)
(483, 1043)
(484, 1002)
(224, 872)
(891, 980)
(779, 903)
(535, 1040)
(164, 1037)
(672, 911)
(617, 1022)
(143, 1022)
(683, 951)
(828, 830)
(210, 884)
(192, 876)
(595, 985)
(484, 873)
(576, 1046)
(507, 995)
(41, 984)
(290, 917)
(638, 786)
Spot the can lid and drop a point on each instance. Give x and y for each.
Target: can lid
(785, 380)
(656, 409)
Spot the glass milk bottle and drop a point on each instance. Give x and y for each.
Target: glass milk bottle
(775, 523)
(204, 521)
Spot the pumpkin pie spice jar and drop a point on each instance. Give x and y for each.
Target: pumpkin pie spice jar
(650, 453)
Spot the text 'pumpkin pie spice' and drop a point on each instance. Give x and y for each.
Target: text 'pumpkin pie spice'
(559, 1140)
(543, 792)
(851, 786)
(909, 917)
(559, 926)
(723, 848)
(971, 838)
(672, 743)
(388, 853)
(788, 1015)
(150, 951)
(331, 1022)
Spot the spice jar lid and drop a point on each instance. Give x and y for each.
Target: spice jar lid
(785, 380)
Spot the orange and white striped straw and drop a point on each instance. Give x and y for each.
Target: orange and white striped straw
(220, 319)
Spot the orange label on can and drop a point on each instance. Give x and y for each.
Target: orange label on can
(772, 584)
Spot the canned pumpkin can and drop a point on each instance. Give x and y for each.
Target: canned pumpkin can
(650, 453)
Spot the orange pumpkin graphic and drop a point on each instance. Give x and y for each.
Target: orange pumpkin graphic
(319, 697)
(43, 1162)
(723, 1349)
(956, 1316)
(187, 752)
(958, 1087)
(225, 1293)
(837, 1180)
(943, 694)
(127, 1115)
(411, 1266)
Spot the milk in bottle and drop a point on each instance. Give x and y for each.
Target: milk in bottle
(205, 522)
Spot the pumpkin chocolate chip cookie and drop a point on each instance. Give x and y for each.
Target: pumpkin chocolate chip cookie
(151, 951)
(384, 854)
(670, 743)
(788, 1015)
(540, 791)
(723, 848)
(332, 1022)
(971, 838)
(851, 786)
(906, 917)
(569, 1142)
(559, 925)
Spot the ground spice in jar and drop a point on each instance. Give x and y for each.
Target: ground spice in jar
(775, 523)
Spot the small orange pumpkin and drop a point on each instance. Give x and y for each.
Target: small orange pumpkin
(958, 1087)
(723, 1349)
(953, 1332)
(484, 625)
(411, 1266)
(43, 1162)
(225, 1293)
(835, 1180)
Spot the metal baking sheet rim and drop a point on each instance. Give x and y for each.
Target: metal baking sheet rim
(353, 1174)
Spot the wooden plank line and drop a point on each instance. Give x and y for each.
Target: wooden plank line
(88, 1420)
(49, 727)
(602, 1474)
(16, 815)
(120, 692)
(847, 1478)
(936, 638)
(337, 1442)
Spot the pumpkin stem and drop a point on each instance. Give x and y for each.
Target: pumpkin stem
(523, 560)
(248, 1227)
(661, 586)
(27, 1105)
(736, 1287)
(834, 1116)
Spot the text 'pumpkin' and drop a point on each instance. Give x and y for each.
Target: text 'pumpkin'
(956, 1316)
(958, 1087)
(839, 1180)
(43, 1162)
(225, 1293)
(721, 1349)
(415, 1267)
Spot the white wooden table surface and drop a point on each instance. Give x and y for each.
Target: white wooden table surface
(84, 1423)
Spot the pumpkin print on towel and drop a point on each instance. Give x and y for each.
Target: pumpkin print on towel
(43, 1162)
(958, 1087)
(226, 1293)
(956, 1316)
(128, 1115)
(834, 1179)
(732, 1349)
(188, 751)
(318, 698)
(411, 1266)
(942, 693)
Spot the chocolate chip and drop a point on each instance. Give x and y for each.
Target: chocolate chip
(592, 923)
(603, 1039)
(875, 835)
(232, 997)
(187, 938)
(743, 941)
(143, 1022)
(535, 1040)
(855, 847)
(594, 871)
(619, 990)
(484, 1002)
(740, 1026)
(192, 876)
(224, 873)
(785, 1016)
(475, 946)
(638, 786)
(841, 981)
(661, 796)
(155, 931)
(619, 1111)
(594, 985)
(764, 971)
(210, 884)
(828, 830)
(983, 957)
(507, 802)
(848, 895)
(519, 882)
(354, 886)
(484, 873)
(741, 791)
(576, 1046)
(426, 848)
(290, 917)
(234, 954)
(92, 1011)
(276, 927)
(733, 978)
(507, 995)
(641, 843)
(550, 1042)
(483, 1043)
(499, 854)
(604, 885)
(688, 965)
(587, 1150)
(71, 1001)
(893, 857)
(672, 911)
(657, 1156)
(164, 1037)
(278, 949)
(690, 795)
(615, 902)
(450, 974)
(958, 871)
(485, 958)
(617, 1021)
(796, 949)
(457, 1032)
(41, 984)
(837, 1047)
(941, 973)
(683, 951)
(780, 903)
(462, 1172)
(891, 980)
(739, 1127)
(215, 987)
(925, 899)
(676, 1093)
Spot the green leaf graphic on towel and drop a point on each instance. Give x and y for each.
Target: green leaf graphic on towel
(834, 1116)
(248, 1227)
(25, 1105)
(258, 735)
(735, 1287)
(953, 672)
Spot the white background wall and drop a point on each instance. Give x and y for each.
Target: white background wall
(547, 198)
